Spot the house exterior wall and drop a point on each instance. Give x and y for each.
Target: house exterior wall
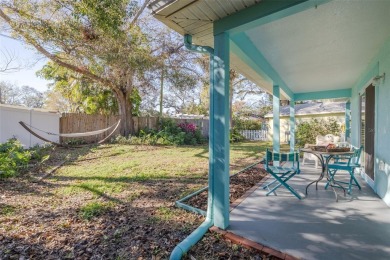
(380, 65)
(284, 122)
(39, 118)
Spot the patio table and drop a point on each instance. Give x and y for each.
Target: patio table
(325, 157)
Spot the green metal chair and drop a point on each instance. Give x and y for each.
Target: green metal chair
(280, 173)
(351, 163)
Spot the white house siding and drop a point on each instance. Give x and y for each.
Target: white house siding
(42, 119)
(285, 122)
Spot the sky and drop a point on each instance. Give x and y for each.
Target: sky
(28, 58)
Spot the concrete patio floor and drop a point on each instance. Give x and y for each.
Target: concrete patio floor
(316, 227)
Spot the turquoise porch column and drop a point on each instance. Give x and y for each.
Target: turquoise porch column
(292, 124)
(347, 120)
(219, 131)
(276, 121)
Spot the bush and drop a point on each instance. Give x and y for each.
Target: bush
(236, 136)
(246, 124)
(170, 133)
(307, 131)
(13, 158)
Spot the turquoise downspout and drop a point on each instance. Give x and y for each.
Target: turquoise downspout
(198, 233)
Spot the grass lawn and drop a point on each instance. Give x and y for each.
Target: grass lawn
(113, 169)
(110, 201)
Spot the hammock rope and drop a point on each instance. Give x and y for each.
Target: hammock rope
(70, 135)
(74, 134)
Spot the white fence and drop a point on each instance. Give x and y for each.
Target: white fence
(45, 120)
(258, 135)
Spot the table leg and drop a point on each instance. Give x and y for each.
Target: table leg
(332, 182)
(323, 167)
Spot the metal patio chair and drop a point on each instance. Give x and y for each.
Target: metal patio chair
(349, 164)
(282, 174)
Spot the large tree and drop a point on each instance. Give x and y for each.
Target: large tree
(72, 92)
(97, 39)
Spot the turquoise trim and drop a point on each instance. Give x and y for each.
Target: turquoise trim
(292, 125)
(248, 52)
(249, 60)
(339, 93)
(276, 118)
(190, 208)
(219, 130)
(264, 12)
(347, 120)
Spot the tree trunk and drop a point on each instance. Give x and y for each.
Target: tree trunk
(125, 113)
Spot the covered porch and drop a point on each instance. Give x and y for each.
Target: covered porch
(316, 227)
(297, 50)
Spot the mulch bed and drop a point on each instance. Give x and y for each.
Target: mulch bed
(37, 223)
(239, 184)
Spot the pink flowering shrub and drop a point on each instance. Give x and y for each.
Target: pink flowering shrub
(187, 127)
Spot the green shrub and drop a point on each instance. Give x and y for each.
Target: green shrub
(13, 158)
(307, 131)
(246, 124)
(169, 133)
(236, 136)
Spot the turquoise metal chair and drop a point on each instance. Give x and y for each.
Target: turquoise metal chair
(280, 173)
(349, 164)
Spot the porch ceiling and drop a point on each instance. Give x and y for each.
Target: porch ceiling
(327, 47)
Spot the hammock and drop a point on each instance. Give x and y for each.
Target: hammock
(71, 135)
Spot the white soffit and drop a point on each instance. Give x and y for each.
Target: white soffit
(196, 17)
(326, 48)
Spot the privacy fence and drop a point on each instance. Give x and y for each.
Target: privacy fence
(81, 123)
(42, 120)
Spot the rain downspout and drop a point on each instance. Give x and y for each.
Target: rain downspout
(198, 233)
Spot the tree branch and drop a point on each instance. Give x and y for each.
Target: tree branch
(139, 12)
(51, 56)
(9, 58)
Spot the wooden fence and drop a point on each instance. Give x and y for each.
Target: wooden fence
(81, 123)
(260, 135)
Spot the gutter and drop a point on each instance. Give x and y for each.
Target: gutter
(198, 233)
(197, 48)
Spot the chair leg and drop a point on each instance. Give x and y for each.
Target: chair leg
(282, 181)
(331, 174)
(353, 179)
(316, 163)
